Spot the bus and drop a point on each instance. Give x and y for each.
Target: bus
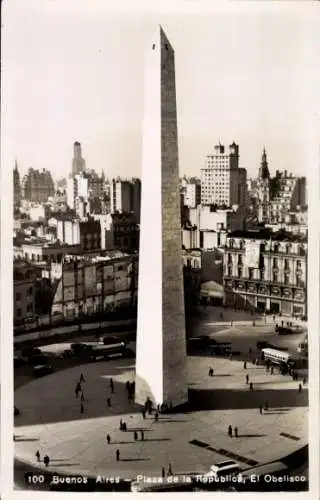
(108, 351)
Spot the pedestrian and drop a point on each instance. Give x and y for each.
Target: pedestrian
(230, 431)
(236, 432)
(250, 351)
(274, 318)
(81, 378)
(304, 381)
(300, 387)
(271, 370)
(38, 455)
(128, 385)
(247, 379)
(118, 455)
(135, 435)
(46, 460)
(251, 386)
(144, 414)
(142, 435)
(81, 408)
(82, 396)
(124, 426)
(156, 416)
(266, 406)
(108, 438)
(109, 402)
(111, 385)
(163, 472)
(121, 425)
(158, 407)
(260, 408)
(169, 470)
(245, 365)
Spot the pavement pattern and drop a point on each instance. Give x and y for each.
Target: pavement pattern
(191, 441)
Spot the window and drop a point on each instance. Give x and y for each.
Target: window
(18, 296)
(250, 273)
(30, 290)
(275, 276)
(229, 271)
(286, 279)
(286, 264)
(19, 312)
(29, 308)
(240, 262)
(298, 264)
(262, 274)
(240, 272)
(275, 263)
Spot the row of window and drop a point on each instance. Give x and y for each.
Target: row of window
(263, 276)
(275, 262)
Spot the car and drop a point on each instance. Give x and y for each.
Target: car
(225, 468)
(41, 370)
(39, 359)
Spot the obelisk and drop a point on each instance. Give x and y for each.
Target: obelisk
(161, 360)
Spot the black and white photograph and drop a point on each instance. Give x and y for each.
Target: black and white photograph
(156, 176)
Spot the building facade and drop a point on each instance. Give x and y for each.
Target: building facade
(94, 285)
(24, 292)
(192, 195)
(16, 188)
(222, 182)
(78, 163)
(37, 186)
(266, 271)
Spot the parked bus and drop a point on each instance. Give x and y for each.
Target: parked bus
(276, 356)
(106, 351)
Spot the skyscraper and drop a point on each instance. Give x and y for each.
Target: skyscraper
(161, 364)
(78, 163)
(16, 187)
(222, 181)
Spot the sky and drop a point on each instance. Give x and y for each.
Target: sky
(73, 70)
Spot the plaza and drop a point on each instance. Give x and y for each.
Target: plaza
(190, 439)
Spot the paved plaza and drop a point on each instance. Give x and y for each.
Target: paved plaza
(51, 422)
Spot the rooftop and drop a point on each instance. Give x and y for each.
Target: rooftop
(265, 234)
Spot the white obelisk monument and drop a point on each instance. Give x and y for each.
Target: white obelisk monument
(161, 361)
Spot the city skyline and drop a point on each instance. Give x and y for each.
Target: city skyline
(238, 82)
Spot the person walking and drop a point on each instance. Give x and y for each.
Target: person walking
(156, 417)
(260, 409)
(247, 379)
(236, 432)
(169, 470)
(142, 435)
(81, 408)
(251, 386)
(108, 438)
(117, 455)
(230, 431)
(163, 472)
(109, 402)
(135, 435)
(300, 387)
(38, 455)
(111, 385)
(46, 460)
(245, 365)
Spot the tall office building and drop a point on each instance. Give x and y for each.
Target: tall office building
(222, 182)
(78, 163)
(161, 363)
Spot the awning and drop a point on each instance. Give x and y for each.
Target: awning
(212, 289)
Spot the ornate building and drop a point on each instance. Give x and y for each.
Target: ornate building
(263, 189)
(37, 185)
(266, 271)
(16, 188)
